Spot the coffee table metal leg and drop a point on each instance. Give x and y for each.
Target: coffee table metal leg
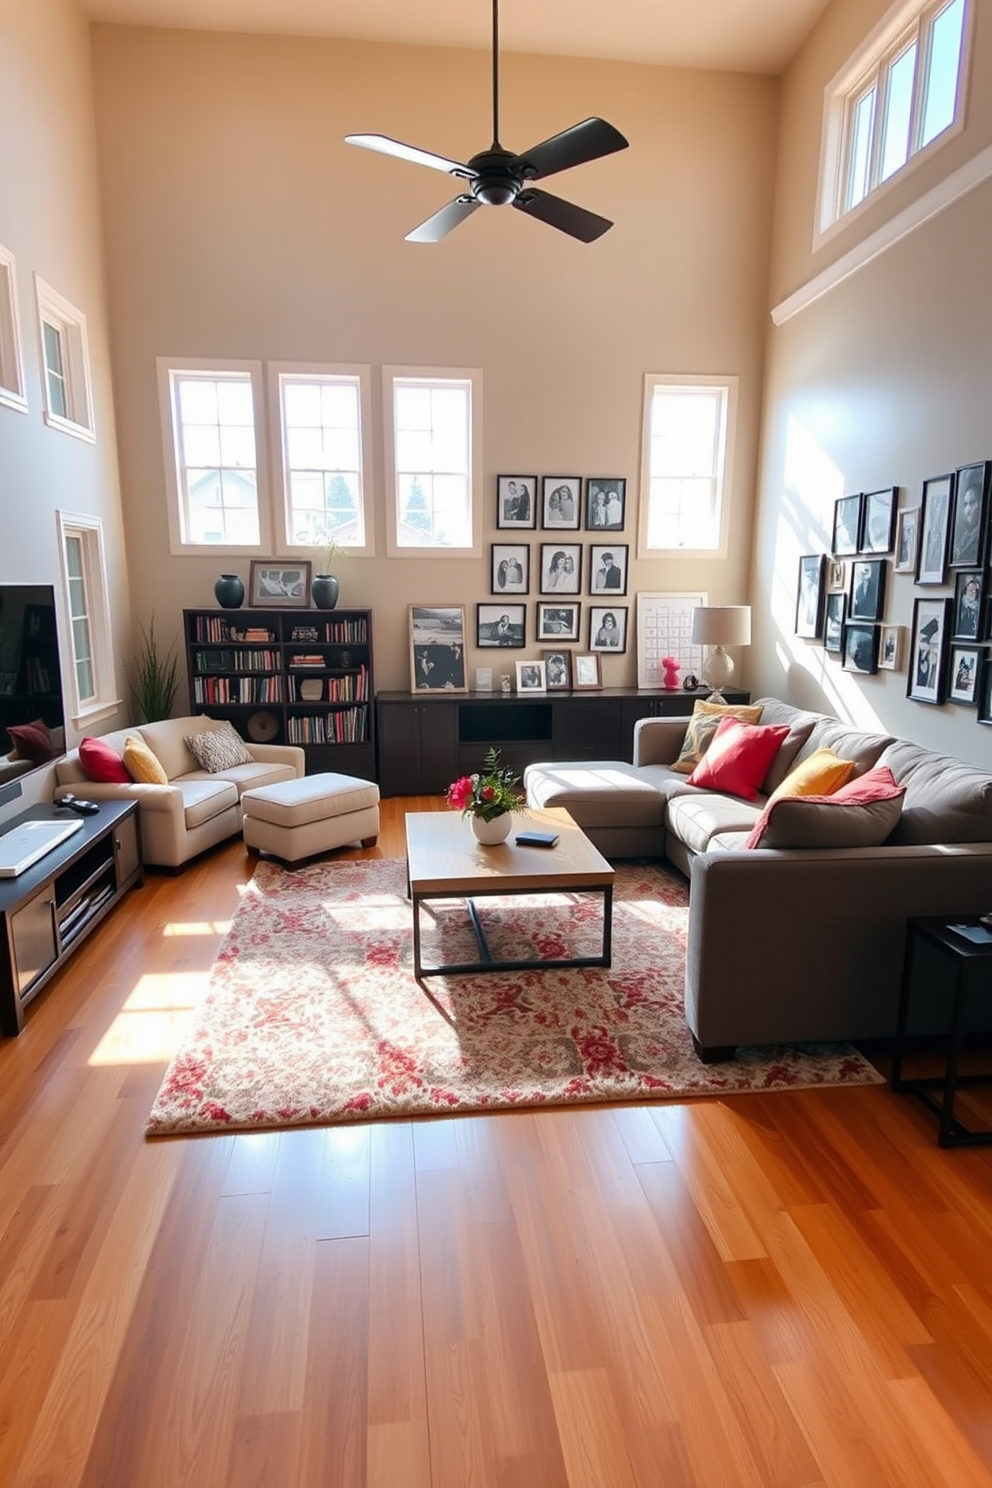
(480, 935)
(608, 925)
(417, 969)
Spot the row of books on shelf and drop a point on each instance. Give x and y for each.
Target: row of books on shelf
(216, 629)
(352, 687)
(220, 628)
(237, 689)
(348, 726)
(228, 660)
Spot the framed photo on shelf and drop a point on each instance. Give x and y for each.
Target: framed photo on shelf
(892, 647)
(962, 675)
(867, 589)
(935, 518)
(878, 521)
(561, 568)
(510, 568)
(968, 592)
(561, 502)
(608, 568)
(558, 670)
(907, 540)
(860, 648)
(531, 676)
(586, 672)
(847, 526)
(558, 621)
(503, 625)
(833, 622)
(928, 650)
(437, 648)
(969, 524)
(606, 503)
(608, 628)
(809, 598)
(515, 501)
(279, 581)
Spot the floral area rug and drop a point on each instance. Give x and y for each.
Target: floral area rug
(312, 1014)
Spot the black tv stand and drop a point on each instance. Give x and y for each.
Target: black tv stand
(50, 908)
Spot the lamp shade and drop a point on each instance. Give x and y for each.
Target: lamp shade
(721, 625)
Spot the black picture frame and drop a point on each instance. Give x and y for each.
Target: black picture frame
(847, 526)
(983, 697)
(929, 640)
(608, 629)
(500, 626)
(606, 503)
(860, 648)
(963, 671)
(867, 600)
(969, 522)
(608, 568)
(558, 670)
(437, 648)
(834, 608)
(558, 621)
(561, 568)
(878, 521)
(907, 540)
(282, 582)
(809, 596)
(969, 595)
(561, 503)
(509, 568)
(935, 519)
(516, 501)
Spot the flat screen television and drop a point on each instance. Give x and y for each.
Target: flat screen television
(32, 717)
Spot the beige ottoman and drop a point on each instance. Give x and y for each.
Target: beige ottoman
(297, 818)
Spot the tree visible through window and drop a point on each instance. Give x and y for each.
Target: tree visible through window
(433, 438)
(321, 415)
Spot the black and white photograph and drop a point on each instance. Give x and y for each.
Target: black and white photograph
(969, 522)
(561, 502)
(558, 670)
(867, 589)
(878, 521)
(608, 569)
(968, 589)
(928, 650)
(585, 670)
(907, 539)
(838, 576)
(516, 502)
(279, 581)
(891, 648)
(935, 518)
(608, 628)
(558, 622)
(531, 676)
(833, 622)
(510, 570)
(500, 625)
(437, 648)
(860, 648)
(561, 568)
(606, 500)
(962, 675)
(809, 598)
(847, 526)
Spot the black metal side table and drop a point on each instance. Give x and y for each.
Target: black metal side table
(972, 961)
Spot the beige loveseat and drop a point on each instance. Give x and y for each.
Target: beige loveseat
(800, 943)
(196, 809)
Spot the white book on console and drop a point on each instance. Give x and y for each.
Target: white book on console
(31, 840)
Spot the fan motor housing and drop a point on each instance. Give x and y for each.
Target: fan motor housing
(495, 184)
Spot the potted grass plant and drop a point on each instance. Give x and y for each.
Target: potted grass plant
(155, 677)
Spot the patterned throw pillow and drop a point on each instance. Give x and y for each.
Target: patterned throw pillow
(141, 764)
(703, 725)
(218, 749)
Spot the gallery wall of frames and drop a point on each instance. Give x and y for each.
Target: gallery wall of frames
(845, 598)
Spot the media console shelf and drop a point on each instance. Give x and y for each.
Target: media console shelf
(50, 908)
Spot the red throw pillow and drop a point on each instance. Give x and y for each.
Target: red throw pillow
(100, 762)
(740, 757)
(810, 817)
(32, 741)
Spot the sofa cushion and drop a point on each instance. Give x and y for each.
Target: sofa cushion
(607, 793)
(141, 763)
(100, 761)
(820, 774)
(863, 750)
(862, 813)
(703, 725)
(218, 749)
(695, 819)
(946, 799)
(32, 741)
(205, 798)
(739, 757)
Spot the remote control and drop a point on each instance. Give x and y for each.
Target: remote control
(81, 808)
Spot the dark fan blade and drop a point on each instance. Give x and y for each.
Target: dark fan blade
(567, 217)
(443, 222)
(387, 146)
(586, 141)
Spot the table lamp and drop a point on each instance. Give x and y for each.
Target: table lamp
(719, 626)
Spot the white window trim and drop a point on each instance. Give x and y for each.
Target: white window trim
(75, 349)
(462, 374)
(165, 367)
(275, 372)
(12, 394)
(664, 379)
(89, 530)
(830, 219)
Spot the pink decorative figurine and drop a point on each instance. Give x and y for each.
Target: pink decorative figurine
(672, 666)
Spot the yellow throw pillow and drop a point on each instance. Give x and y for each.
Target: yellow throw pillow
(703, 725)
(142, 765)
(820, 775)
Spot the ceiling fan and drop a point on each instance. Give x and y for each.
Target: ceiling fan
(499, 178)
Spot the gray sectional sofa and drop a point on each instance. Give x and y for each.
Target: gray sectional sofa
(793, 944)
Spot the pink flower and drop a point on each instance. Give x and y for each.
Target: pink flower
(460, 792)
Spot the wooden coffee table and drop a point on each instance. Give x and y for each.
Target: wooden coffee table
(444, 861)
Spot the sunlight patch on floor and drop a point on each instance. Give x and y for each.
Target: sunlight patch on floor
(153, 1021)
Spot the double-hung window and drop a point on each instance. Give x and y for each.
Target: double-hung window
(687, 429)
(324, 415)
(11, 362)
(434, 442)
(93, 681)
(68, 397)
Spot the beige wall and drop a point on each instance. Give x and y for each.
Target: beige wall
(50, 221)
(238, 224)
(884, 381)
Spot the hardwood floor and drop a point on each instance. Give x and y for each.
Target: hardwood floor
(780, 1290)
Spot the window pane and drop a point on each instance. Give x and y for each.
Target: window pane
(686, 451)
(862, 123)
(433, 464)
(218, 458)
(942, 80)
(323, 459)
(74, 558)
(898, 112)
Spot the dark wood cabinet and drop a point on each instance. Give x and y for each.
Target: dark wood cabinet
(418, 745)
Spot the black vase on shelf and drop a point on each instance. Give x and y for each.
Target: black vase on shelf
(324, 591)
(229, 591)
